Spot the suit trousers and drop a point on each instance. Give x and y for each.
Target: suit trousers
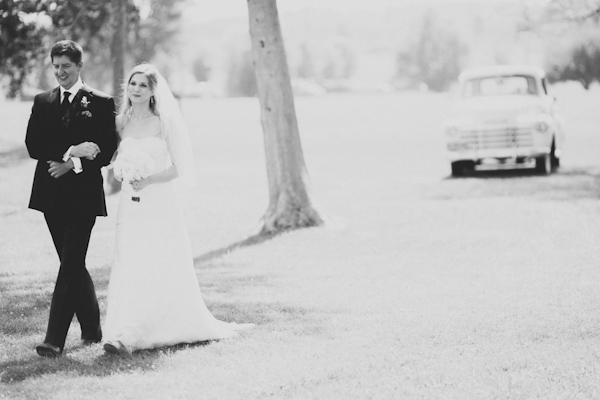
(74, 292)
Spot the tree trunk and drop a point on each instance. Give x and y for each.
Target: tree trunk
(585, 83)
(289, 203)
(117, 51)
(118, 44)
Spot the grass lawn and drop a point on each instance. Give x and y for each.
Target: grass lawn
(418, 287)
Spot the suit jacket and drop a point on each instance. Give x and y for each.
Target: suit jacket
(50, 133)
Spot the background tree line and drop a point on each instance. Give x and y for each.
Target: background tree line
(575, 54)
(30, 27)
(339, 65)
(571, 43)
(434, 59)
(430, 55)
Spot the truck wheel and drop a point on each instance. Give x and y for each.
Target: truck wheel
(459, 167)
(542, 164)
(554, 161)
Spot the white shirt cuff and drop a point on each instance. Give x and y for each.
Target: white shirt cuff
(67, 155)
(77, 168)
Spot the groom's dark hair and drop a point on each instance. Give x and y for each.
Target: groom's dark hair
(67, 48)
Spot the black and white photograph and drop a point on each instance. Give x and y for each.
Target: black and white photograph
(299, 199)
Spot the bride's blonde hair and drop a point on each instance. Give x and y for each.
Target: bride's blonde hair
(151, 73)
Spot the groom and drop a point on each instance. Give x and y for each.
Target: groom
(71, 132)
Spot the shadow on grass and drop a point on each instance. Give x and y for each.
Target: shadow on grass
(10, 157)
(293, 320)
(527, 172)
(509, 173)
(249, 241)
(101, 366)
(25, 300)
(562, 184)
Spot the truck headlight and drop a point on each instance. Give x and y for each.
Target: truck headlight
(451, 130)
(541, 126)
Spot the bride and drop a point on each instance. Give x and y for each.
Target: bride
(153, 297)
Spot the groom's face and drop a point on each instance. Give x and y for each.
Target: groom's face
(66, 71)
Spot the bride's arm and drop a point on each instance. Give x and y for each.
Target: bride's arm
(164, 176)
(161, 177)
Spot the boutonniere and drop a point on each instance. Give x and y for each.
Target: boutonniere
(77, 109)
(84, 105)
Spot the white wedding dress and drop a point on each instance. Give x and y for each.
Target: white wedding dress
(153, 298)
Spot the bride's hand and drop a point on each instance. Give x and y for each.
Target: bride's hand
(140, 184)
(87, 150)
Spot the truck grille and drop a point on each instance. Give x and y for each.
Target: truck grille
(500, 138)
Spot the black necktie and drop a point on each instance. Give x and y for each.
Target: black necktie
(65, 101)
(64, 109)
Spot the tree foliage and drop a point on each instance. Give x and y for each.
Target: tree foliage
(434, 59)
(25, 42)
(21, 40)
(340, 63)
(577, 58)
(241, 80)
(306, 67)
(200, 69)
(574, 11)
(582, 64)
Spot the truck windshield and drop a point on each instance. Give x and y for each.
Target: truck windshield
(500, 85)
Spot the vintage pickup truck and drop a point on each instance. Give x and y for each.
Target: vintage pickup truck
(504, 119)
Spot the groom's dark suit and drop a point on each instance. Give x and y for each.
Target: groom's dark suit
(71, 202)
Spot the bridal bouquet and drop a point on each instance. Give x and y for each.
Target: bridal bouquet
(131, 165)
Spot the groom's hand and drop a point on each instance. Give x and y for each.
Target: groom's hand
(58, 169)
(87, 150)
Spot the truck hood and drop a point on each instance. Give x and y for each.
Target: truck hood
(497, 108)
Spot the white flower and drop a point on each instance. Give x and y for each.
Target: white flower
(132, 165)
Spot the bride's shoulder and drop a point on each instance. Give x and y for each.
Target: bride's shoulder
(120, 122)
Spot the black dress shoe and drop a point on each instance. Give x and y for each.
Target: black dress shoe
(115, 347)
(48, 350)
(89, 342)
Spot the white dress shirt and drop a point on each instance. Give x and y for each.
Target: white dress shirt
(77, 167)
